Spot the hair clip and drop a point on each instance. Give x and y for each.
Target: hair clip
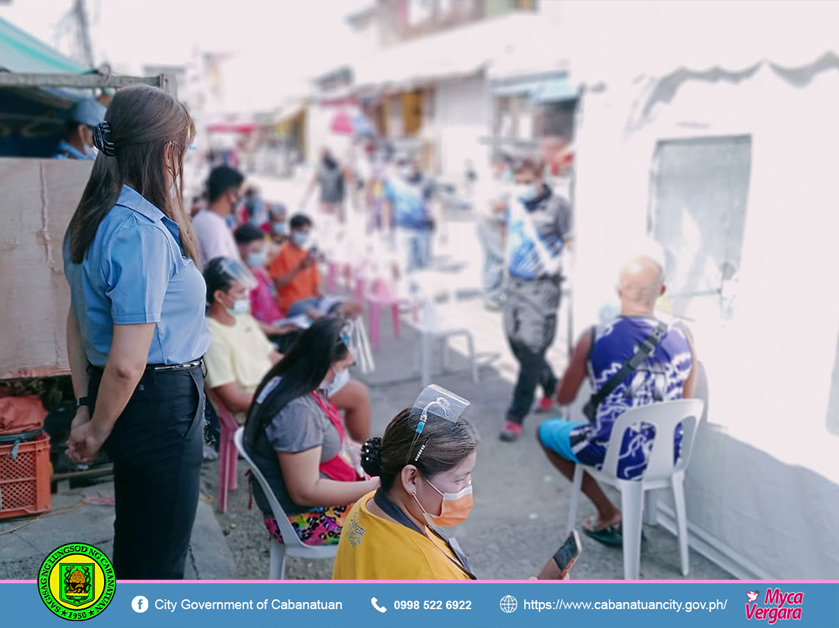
(102, 139)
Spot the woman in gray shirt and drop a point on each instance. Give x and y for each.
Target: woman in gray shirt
(296, 437)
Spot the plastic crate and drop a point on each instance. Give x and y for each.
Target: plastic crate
(25, 479)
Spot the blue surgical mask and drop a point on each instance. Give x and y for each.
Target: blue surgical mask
(240, 306)
(256, 259)
(527, 191)
(300, 238)
(279, 228)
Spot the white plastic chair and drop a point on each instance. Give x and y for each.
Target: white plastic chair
(439, 323)
(660, 473)
(293, 546)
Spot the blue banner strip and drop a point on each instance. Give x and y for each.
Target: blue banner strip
(443, 605)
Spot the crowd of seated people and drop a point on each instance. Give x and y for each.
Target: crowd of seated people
(279, 362)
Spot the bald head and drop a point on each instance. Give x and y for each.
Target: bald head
(641, 283)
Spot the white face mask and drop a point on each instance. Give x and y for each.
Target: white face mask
(336, 384)
(527, 191)
(240, 306)
(300, 238)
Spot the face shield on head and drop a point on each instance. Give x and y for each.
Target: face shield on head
(238, 273)
(434, 402)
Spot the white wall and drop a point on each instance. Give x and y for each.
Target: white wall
(462, 114)
(763, 488)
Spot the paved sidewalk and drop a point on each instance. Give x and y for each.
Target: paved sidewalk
(87, 515)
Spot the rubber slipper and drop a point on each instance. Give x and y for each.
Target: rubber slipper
(610, 535)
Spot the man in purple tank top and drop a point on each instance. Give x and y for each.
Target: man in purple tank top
(668, 373)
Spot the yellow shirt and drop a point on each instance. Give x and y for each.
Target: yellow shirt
(239, 353)
(373, 548)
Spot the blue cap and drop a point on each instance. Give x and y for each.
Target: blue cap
(87, 112)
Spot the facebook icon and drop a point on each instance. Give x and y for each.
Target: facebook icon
(140, 604)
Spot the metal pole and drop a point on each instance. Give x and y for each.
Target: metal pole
(82, 81)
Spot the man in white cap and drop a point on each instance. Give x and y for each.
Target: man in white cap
(82, 118)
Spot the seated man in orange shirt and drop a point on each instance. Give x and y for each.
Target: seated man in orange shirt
(295, 274)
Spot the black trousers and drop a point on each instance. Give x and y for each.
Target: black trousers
(156, 447)
(530, 315)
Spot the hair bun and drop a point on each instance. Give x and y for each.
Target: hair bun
(371, 456)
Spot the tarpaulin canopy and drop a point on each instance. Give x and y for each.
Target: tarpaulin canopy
(21, 52)
(31, 124)
(242, 128)
(540, 89)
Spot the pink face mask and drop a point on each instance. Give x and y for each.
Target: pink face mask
(455, 510)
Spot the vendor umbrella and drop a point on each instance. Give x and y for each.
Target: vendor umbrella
(356, 124)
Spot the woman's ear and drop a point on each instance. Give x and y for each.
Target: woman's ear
(410, 477)
(218, 296)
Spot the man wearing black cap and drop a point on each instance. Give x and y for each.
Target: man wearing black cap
(82, 118)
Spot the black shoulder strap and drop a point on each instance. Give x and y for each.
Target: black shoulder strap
(631, 364)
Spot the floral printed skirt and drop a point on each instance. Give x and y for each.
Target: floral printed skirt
(319, 526)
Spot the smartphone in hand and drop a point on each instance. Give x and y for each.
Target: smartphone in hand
(568, 553)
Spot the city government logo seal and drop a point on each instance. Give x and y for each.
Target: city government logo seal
(76, 581)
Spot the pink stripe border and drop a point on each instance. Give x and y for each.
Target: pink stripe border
(531, 582)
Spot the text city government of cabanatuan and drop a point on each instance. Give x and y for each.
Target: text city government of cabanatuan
(277, 605)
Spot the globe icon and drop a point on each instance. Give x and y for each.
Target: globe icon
(509, 604)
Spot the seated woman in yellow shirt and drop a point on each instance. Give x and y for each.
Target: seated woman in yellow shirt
(424, 463)
(388, 535)
(240, 353)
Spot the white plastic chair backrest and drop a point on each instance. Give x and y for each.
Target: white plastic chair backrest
(701, 390)
(432, 285)
(364, 354)
(290, 537)
(664, 417)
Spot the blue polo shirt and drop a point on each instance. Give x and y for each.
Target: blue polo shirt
(136, 272)
(65, 151)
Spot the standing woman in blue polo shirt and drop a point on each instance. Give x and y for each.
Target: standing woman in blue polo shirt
(135, 331)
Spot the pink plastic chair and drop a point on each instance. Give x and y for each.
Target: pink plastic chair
(383, 296)
(227, 456)
(360, 288)
(348, 273)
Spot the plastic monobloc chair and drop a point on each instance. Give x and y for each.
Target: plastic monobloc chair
(438, 324)
(660, 473)
(227, 460)
(292, 545)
